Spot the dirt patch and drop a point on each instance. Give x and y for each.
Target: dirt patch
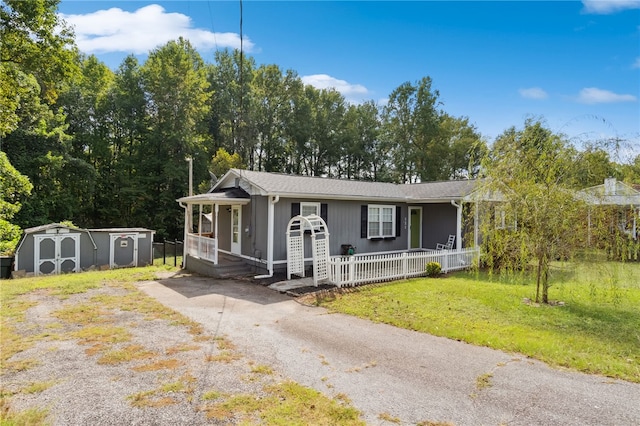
(120, 364)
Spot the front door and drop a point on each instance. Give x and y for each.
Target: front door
(236, 229)
(415, 227)
(123, 250)
(56, 253)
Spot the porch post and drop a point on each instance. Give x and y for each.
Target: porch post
(216, 233)
(200, 219)
(458, 224)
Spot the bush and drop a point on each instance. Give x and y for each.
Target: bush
(433, 269)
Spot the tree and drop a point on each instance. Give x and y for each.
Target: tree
(13, 188)
(220, 164)
(175, 82)
(229, 123)
(538, 217)
(35, 43)
(411, 125)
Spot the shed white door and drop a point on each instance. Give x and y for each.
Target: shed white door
(123, 250)
(236, 229)
(56, 253)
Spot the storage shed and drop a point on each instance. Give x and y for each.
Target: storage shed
(56, 248)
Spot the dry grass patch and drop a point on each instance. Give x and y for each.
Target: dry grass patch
(165, 364)
(81, 314)
(388, 418)
(483, 381)
(212, 394)
(126, 354)
(149, 399)
(29, 417)
(101, 334)
(224, 344)
(224, 357)
(37, 387)
(17, 366)
(181, 347)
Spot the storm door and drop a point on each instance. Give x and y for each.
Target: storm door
(236, 229)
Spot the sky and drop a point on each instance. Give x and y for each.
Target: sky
(573, 64)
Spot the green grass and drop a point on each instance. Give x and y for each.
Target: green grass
(597, 330)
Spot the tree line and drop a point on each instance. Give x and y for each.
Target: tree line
(103, 147)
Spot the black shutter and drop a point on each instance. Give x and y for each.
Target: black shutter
(398, 221)
(324, 212)
(295, 209)
(364, 221)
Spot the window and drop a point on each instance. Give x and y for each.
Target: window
(381, 223)
(307, 209)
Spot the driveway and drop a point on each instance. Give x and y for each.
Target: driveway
(393, 373)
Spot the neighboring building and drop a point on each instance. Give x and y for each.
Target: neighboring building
(56, 248)
(246, 215)
(624, 202)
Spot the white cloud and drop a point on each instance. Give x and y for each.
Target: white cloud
(533, 93)
(593, 95)
(636, 64)
(324, 81)
(116, 30)
(605, 7)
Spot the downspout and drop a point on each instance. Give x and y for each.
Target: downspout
(270, 230)
(184, 244)
(458, 224)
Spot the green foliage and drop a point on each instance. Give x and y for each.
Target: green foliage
(35, 43)
(13, 188)
(535, 215)
(222, 162)
(433, 269)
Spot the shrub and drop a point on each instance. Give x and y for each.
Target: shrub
(433, 269)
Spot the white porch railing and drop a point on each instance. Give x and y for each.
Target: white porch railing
(370, 268)
(202, 247)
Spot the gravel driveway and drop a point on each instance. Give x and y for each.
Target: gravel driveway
(391, 373)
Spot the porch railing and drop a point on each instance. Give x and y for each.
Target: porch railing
(349, 271)
(202, 247)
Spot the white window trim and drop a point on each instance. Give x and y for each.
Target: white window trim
(393, 221)
(309, 204)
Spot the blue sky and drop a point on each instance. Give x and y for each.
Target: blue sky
(574, 63)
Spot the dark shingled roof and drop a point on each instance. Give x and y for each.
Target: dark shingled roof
(309, 186)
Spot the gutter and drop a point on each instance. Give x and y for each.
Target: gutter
(270, 231)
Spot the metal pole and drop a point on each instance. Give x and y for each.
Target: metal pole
(175, 252)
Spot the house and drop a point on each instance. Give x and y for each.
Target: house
(624, 202)
(57, 248)
(247, 215)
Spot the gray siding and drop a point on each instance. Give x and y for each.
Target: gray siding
(258, 213)
(438, 222)
(343, 221)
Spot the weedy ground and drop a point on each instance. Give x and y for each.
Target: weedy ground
(70, 338)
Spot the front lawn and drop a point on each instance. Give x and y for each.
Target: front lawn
(593, 325)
